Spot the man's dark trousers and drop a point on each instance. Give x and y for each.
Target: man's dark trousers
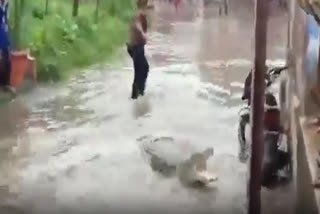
(141, 70)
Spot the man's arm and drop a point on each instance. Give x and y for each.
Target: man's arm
(144, 22)
(140, 29)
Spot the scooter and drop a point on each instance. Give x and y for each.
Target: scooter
(276, 165)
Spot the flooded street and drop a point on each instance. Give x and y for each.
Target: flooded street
(82, 146)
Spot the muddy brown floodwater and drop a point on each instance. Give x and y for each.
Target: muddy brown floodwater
(76, 147)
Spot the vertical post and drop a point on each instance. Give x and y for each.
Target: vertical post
(17, 19)
(226, 7)
(47, 7)
(19, 8)
(257, 110)
(96, 18)
(75, 8)
(318, 71)
(22, 7)
(289, 27)
(292, 17)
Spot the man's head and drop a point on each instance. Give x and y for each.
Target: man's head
(142, 4)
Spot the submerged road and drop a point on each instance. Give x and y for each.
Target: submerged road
(81, 147)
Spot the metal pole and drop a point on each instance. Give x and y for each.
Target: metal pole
(257, 110)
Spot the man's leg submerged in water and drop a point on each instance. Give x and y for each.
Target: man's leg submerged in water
(145, 75)
(131, 51)
(135, 84)
(145, 71)
(141, 69)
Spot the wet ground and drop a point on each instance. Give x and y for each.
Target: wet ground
(79, 147)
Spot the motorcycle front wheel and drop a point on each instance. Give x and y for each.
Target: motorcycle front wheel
(268, 175)
(243, 143)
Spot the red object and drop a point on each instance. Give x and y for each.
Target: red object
(22, 67)
(176, 3)
(272, 121)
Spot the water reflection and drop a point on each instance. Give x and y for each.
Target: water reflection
(141, 107)
(14, 149)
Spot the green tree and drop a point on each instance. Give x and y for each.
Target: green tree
(75, 7)
(19, 6)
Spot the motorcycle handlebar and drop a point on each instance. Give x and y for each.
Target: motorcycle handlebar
(268, 78)
(273, 72)
(277, 70)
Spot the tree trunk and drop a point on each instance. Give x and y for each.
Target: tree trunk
(47, 7)
(96, 18)
(75, 8)
(17, 20)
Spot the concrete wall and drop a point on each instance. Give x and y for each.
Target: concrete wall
(300, 85)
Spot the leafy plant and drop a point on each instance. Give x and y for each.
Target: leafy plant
(62, 43)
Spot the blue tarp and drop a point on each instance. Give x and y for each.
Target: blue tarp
(4, 34)
(313, 27)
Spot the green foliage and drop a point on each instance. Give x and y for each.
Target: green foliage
(37, 13)
(62, 43)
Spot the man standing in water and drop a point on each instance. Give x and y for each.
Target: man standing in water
(135, 47)
(4, 44)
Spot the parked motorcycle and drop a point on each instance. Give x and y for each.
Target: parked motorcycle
(276, 165)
